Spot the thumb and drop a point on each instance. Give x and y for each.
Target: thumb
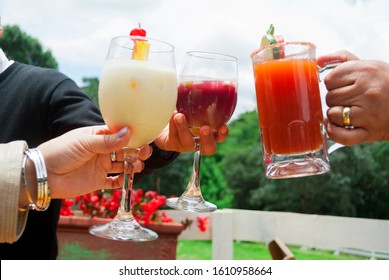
(107, 143)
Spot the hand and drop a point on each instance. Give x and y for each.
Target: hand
(177, 136)
(78, 162)
(362, 85)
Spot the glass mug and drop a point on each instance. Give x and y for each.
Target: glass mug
(294, 140)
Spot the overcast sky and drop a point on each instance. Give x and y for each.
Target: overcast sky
(78, 32)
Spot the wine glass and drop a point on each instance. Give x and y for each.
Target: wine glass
(138, 89)
(207, 95)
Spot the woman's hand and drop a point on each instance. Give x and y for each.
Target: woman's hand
(79, 161)
(177, 136)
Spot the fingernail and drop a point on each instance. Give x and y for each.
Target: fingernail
(224, 130)
(207, 131)
(180, 118)
(123, 132)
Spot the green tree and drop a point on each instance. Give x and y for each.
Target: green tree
(213, 183)
(241, 159)
(375, 188)
(243, 169)
(21, 47)
(170, 180)
(91, 88)
(173, 179)
(244, 132)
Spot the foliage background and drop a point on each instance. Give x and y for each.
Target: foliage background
(21, 47)
(357, 186)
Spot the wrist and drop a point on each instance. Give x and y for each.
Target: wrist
(38, 186)
(29, 182)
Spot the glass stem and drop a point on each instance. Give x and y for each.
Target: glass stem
(193, 188)
(130, 158)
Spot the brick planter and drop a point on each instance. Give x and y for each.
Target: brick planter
(75, 242)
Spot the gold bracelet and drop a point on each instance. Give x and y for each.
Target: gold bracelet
(43, 190)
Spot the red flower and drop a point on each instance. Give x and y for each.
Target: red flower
(67, 202)
(165, 218)
(113, 205)
(94, 198)
(146, 206)
(202, 223)
(105, 203)
(151, 194)
(66, 210)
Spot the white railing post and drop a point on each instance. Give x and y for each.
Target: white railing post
(222, 234)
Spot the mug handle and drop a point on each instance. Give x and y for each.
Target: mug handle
(328, 66)
(332, 146)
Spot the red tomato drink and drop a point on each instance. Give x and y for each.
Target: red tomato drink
(289, 106)
(206, 103)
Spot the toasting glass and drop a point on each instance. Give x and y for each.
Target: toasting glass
(140, 94)
(207, 95)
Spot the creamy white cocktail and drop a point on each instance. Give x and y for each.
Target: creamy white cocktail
(137, 94)
(138, 89)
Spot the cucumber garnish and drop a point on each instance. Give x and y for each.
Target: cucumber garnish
(270, 39)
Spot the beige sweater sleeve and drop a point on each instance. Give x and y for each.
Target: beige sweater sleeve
(12, 221)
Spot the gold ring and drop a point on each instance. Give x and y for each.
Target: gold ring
(113, 156)
(346, 116)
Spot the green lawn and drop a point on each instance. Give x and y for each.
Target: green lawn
(202, 250)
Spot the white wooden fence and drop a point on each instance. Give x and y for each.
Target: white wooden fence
(314, 231)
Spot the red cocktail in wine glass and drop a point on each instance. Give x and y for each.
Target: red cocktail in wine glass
(207, 95)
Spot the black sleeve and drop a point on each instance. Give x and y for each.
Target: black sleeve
(158, 159)
(71, 108)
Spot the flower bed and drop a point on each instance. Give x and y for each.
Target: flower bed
(78, 214)
(146, 207)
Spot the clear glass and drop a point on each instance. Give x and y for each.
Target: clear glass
(207, 95)
(140, 94)
(290, 111)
